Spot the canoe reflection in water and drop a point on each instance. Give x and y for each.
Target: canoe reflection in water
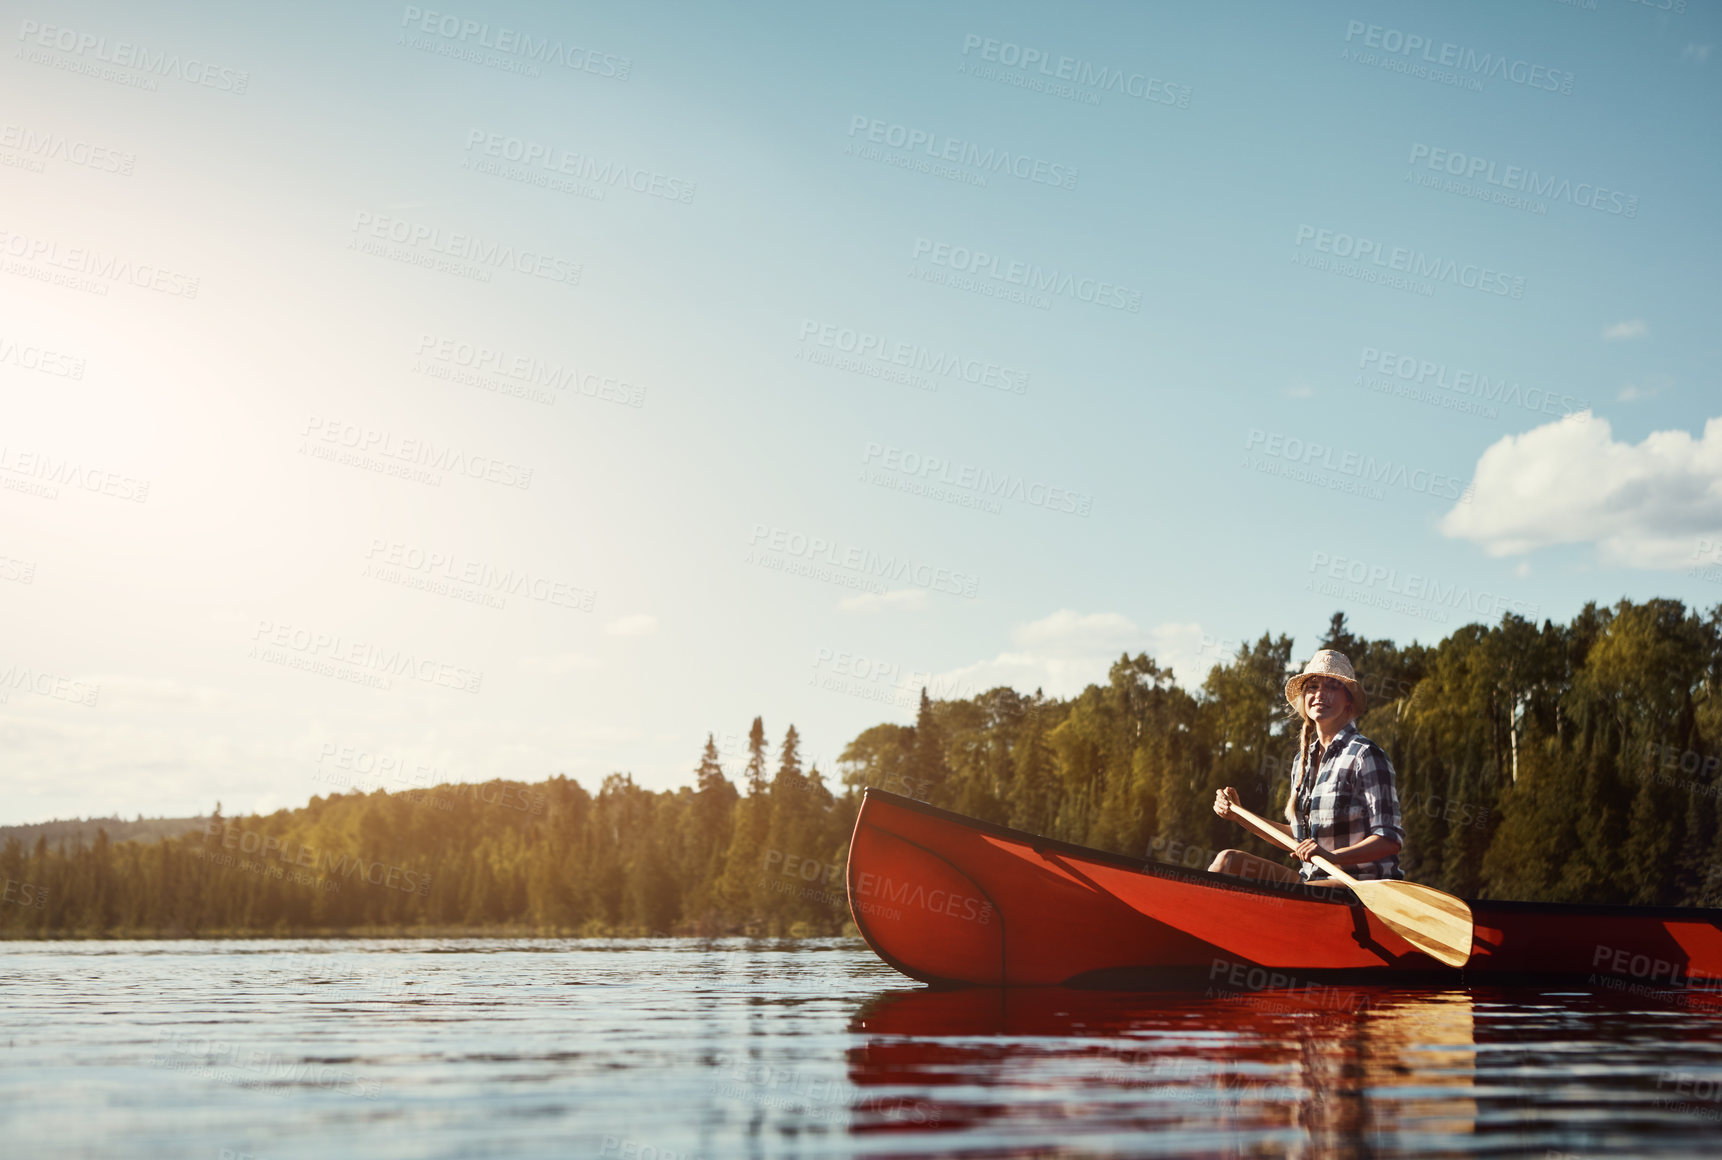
(1277, 1072)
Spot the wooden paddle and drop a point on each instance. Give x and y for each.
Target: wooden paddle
(1437, 924)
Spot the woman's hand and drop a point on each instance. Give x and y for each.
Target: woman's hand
(1224, 800)
(1309, 848)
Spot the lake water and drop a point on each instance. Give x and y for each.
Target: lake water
(653, 1049)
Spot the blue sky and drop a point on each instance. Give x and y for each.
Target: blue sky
(523, 424)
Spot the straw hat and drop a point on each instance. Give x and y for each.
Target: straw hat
(1326, 663)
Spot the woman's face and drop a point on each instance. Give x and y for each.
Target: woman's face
(1326, 701)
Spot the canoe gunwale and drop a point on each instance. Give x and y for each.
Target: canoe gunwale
(1326, 895)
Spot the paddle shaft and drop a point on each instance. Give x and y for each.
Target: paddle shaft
(1437, 924)
(1272, 833)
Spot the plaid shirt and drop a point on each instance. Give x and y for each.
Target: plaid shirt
(1351, 797)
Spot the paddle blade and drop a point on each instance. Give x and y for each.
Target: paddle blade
(1435, 923)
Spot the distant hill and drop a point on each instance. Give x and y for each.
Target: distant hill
(81, 833)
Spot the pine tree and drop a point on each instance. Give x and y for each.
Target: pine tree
(927, 770)
(708, 777)
(711, 822)
(789, 759)
(785, 894)
(743, 878)
(1033, 796)
(1339, 638)
(756, 759)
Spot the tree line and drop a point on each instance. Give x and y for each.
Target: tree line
(1573, 763)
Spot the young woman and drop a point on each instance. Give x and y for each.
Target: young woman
(1347, 810)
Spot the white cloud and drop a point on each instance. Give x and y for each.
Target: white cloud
(1067, 633)
(1067, 651)
(639, 624)
(559, 665)
(124, 691)
(1632, 393)
(1697, 52)
(909, 599)
(1631, 328)
(1569, 482)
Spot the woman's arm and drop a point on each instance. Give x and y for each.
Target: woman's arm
(1223, 799)
(1372, 849)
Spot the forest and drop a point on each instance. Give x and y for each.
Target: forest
(1572, 763)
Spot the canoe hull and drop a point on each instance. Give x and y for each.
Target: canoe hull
(951, 900)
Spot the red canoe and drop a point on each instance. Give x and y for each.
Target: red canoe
(950, 900)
